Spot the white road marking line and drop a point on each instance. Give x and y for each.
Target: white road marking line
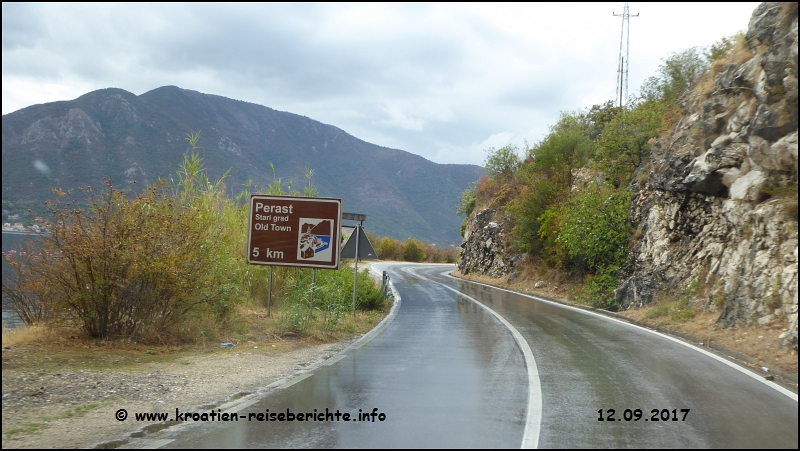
(533, 423)
(333, 360)
(771, 384)
(296, 380)
(155, 444)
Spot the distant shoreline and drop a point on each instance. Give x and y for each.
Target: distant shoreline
(17, 232)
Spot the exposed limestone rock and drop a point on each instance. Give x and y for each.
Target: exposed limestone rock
(227, 144)
(706, 214)
(485, 248)
(76, 125)
(119, 109)
(135, 173)
(747, 187)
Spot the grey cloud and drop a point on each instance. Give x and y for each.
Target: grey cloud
(22, 26)
(433, 79)
(286, 53)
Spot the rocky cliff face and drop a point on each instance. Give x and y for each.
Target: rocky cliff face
(719, 208)
(486, 249)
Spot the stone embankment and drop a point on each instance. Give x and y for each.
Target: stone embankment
(486, 248)
(718, 209)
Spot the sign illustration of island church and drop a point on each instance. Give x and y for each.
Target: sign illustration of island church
(314, 241)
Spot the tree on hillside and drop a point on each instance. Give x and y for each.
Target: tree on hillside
(466, 205)
(501, 164)
(677, 74)
(599, 116)
(566, 148)
(625, 141)
(547, 178)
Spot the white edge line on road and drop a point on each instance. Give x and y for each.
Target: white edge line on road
(533, 423)
(383, 324)
(296, 380)
(333, 360)
(771, 384)
(158, 443)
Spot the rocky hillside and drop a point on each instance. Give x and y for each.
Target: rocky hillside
(486, 248)
(719, 208)
(712, 223)
(114, 133)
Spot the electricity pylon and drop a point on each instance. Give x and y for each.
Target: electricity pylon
(624, 55)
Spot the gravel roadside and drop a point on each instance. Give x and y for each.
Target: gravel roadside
(75, 408)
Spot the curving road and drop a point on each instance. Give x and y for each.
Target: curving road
(466, 365)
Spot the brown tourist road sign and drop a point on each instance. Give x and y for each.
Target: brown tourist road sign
(294, 231)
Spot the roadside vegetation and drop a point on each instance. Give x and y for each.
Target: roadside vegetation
(568, 196)
(412, 250)
(167, 266)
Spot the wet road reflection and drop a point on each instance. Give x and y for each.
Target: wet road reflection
(448, 374)
(445, 372)
(587, 363)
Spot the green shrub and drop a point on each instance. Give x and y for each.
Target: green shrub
(388, 249)
(138, 265)
(132, 266)
(527, 209)
(598, 291)
(466, 204)
(594, 228)
(332, 299)
(413, 251)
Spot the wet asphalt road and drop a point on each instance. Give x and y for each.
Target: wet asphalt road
(448, 373)
(445, 372)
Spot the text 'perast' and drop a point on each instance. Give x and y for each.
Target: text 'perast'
(273, 208)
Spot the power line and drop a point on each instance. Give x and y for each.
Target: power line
(624, 54)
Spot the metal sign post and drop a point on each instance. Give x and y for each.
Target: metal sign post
(357, 245)
(269, 293)
(355, 272)
(313, 284)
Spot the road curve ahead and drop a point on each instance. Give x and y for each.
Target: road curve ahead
(466, 365)
(445, 372)
(589, 363)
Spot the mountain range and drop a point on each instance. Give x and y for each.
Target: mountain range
(116, 134)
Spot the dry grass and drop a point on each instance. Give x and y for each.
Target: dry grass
(47, 349)
(638, 234)
(741, 51)
(788, 14)
(705, 87)
(555, 282)
(791, 210)
(25, 335)
(760, 342)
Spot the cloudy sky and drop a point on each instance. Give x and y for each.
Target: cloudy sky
(443, 81)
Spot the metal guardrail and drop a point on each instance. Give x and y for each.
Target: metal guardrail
(385, 284)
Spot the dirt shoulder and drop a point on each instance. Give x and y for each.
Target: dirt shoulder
(755, 346)
(62, 391)
(44, 407)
